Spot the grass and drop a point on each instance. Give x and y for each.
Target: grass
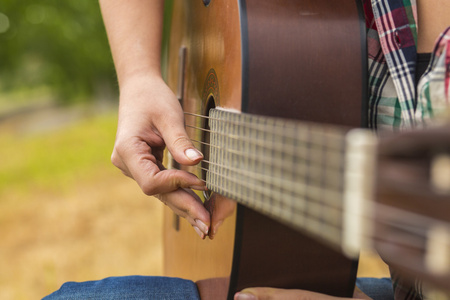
(66, 214)
(56, 159)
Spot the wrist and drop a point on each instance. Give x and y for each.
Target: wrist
(139, 77)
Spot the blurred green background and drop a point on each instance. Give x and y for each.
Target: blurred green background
(59, 45)
(66, 214)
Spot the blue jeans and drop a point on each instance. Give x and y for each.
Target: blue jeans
(128, 287)
(376, 288)
(146, 287)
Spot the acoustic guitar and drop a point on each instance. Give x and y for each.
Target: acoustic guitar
(271, 91)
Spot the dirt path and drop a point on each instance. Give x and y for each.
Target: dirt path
(101, 229)
(91, 230)
(94, 228)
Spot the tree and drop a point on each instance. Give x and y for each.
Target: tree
(54, 43)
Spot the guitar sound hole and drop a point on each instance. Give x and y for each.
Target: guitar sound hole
(205, 148)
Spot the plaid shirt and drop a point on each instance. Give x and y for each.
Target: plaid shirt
(393, 103)
(392, 40)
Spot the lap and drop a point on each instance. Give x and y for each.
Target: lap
(128, 287)
(153, 287)
(376, 288)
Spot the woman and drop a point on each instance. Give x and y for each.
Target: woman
(151, 118)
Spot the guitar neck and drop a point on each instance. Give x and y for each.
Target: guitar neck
(315, 178)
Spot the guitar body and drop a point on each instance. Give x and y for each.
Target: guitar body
(297, 59)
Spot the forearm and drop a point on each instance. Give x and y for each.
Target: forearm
(134, 29)
(150, 116)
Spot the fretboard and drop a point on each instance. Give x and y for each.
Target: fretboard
(313, 177)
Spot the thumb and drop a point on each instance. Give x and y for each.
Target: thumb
(281, 294)
(180, 146)
(258, 294)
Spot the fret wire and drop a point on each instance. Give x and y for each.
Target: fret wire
(369, 235)
(269, 210)
(374, 235)
(399, 214)
(391, 224)
(329, 194)
(263, 144)
(316, 172)
(327, 131)
(316, 193)
(300, 168)
(331, 131)
(326, 193)
(300, 205)
(406, 216)
(334, 159)
(267, 145)
(291, 150)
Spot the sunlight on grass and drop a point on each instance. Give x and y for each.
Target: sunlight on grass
(57, 159)
(67, 214)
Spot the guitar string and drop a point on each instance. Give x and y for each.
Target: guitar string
(300, 168)
(396, 212)
(313, 160)
(258, 178)
(295, 166)
(325, 204)
(290, 185)
(291, 150)
(286, 166)
(312, 136)
(369, 235)
(397, 224)
(401, 217)
(307, 168)
(288, 128)
(407, 221)
(282, 162)
(209, 117)
(323, 141)
(311, 191)
(305, 151)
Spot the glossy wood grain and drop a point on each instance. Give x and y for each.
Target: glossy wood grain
(299, 59)
(212, 39)
(304, 62)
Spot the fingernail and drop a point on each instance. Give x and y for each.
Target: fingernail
(199, 232)
(193, 154)
(245, 296)
(202, 226)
